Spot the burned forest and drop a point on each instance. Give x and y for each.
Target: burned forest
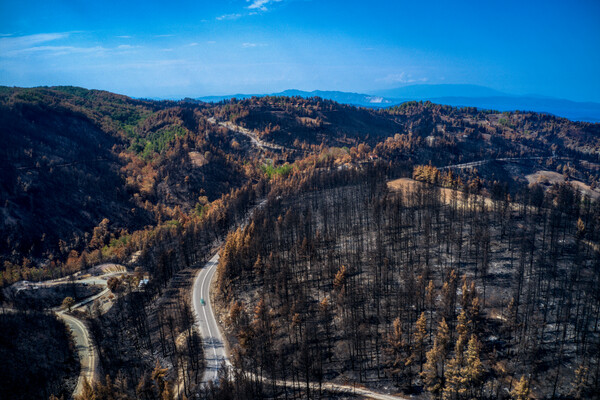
(431, 290)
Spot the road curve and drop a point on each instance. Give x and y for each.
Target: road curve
(212, 339)
(88, 356)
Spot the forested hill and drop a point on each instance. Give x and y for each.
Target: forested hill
(313, 121)
(82, 170)
(74, 159)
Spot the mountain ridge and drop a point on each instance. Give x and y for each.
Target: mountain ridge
(463, 96)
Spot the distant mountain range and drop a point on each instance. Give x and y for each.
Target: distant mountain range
(453, 95)
(358, 99)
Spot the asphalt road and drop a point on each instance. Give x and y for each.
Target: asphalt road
(88, 356)
(214, 343)
(87, 352)
(212, 339)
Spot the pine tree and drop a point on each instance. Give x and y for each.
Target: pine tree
(340, 278)
(144, 388)
(472, 371)
(467, 294)
(579, 385)
(455, 382)
(167, 394)
(418, 345)
(580, 229)
(449, 296)
(521, 389)
(462, 326)
(430, 304)
(397, 349)
(433, 370)
(158, 376)
(470, 304)
(512, 315)
(474, 315)
(452, 376)
(443, 336)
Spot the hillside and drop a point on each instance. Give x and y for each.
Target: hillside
(424, 291)
(505, 200)
(78, 160)
(73, 158)
(419, 131)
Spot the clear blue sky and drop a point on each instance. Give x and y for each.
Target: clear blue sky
(191, 48)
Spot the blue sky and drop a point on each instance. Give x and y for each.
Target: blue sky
(193, 48)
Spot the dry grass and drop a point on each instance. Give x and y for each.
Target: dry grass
(408, 185)
(551, 177)
(197, 159)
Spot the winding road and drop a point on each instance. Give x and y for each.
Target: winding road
(88, 356)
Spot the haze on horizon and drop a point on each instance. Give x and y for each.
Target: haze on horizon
(193, 49)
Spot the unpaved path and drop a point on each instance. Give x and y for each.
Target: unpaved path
(473, 164)
(249, 134)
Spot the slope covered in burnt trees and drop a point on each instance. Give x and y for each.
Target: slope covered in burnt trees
(289, 120)
(165, 181)
(418, 289)
(74, 160)
(83, 169)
